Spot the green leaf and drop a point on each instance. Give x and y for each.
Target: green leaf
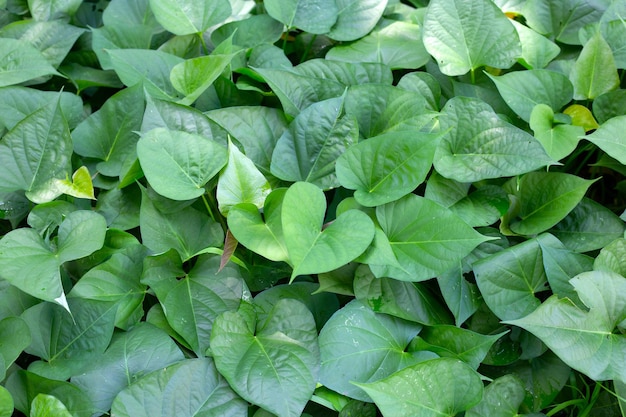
(612, 258)
(482, 207)
(479, 145)
(544, 199)
(6, 403)
(79, 186)
(313, 16)
(35, 152)
(308, 149)
(113, 37)
(559, 140)
(509, 279)
(53, 9)
(356, 19)
(81, 233)
(428, 242)
(594, 72)
(585, 339)
(48, 406)
(461, 296)
(271, 360)
(463, 35)
(502, 398)
(523, 90)
(21, 62)
(188, 230)
(15, 330)
(149, 67)
(179, 164)
(606, 137)
(537, 50)
(193, 300)
(136, 13)
(396, 44)
(130, 355)
(311, 249)
(190, 16)
(109, 134)
(193, 76)
(609, 105)
(438, 387)
(263, 235)
(240, 182)
(189, 388)
(355, 335)
(253, 31)
(406, 300)
(387, 167)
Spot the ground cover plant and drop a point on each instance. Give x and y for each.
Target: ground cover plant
(317, 208)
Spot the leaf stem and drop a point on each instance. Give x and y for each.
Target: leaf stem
(211, 206)
(473, 76)
(205, 49)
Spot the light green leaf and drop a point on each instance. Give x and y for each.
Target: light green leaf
(184, 17)
(313, 16)
(179, 164)
(607, 137)
(544, 199)
(355, 335)
(189, 388)
(435, 388)
(261, 235)
(311, 249)
(428, 242)
(240, 182)
(393, 43)
(523, 90)
(149, 67)
(192, 301)
(502, 398)
(53, 9)
(387, 167)
(559, 140)
(308, 149)
(509, 279)
(612, 258)
(594, 72)
(482, 207)
(109, 133)
(585, 339)
(356, 18)
(80, 186)
(35, 152)
(406, 300)
(193, 76)
(130, 355)
(271, 360)
(479, 145)
(463, 35)
(6, 403)
(537, 50)
(48, 406)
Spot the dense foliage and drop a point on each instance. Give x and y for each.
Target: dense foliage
(312, 207)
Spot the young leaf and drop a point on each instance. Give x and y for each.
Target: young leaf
(179, 164)
(607, 138)
(559, 140)
(428, 242)
(463, 35)
(479, 145)
(438, 387)
(189, 388)
(585, 340)
(523, 90)
(20, 62)
(313, 16)
(80, 186)
(193, 76)
(386, 167)
(109, 133)
(35, 152)
(594, 72)
(271, 361)
(537, 50)
(185, 17)
(355, 335)
(47, 405)
(545, 198)
(308, 149)
(311, 249)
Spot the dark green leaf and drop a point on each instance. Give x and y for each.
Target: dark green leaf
(20, 62)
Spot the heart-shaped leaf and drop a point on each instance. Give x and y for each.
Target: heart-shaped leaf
(502, 398)
(438, 387)
(594, 72)
(311, 249)
(386, 167)
(464, 35)
(178, 164)
(585, 340)
(80, 186)
(272, 360)
(313, 16)
(355, 335)
(559, 140)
